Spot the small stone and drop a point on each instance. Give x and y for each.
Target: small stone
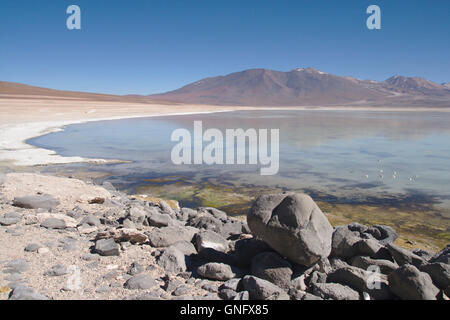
(53, 223)
(181, 290)
(140, 282)
(16, 266)
(97, 200)
(43, 250)
(135, 269)
(335, 291)
(107, 247)
(32, 247)
(56, 271)
(216, 271)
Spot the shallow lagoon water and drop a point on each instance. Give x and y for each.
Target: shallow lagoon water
(398, 159)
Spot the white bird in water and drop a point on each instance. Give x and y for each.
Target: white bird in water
(367, 176)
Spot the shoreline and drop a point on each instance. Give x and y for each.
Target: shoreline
(25, 154)
(31, 120)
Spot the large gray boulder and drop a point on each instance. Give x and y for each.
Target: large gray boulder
(408, 283)
(442, 256)
(271, 267)
(439, 273)
(260, 289)
(293, 225)
(403, 256)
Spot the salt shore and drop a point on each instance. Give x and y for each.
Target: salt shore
(22, 119)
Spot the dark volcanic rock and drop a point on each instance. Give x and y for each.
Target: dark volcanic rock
(344, 242)
(173, 260)
(403, 256)
(260, 289)
(442, 256)
(186, 247)
(246, 249)
(167, 236)
(375, 284)
(386, 266)
(439, 273)
(53, 223)
(140, 282)
(160, 220)
(107, 247)
(210, 239)
(293, 225)
(388, 234)
(271, 267)
(408, 283)
(334, 291)
(216, 271)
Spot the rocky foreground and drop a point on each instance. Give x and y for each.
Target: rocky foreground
(63, 238)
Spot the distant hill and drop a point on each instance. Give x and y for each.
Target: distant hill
(299, 87)
(263, 87)
(23, 91)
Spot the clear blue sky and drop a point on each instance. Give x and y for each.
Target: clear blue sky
(158, 45)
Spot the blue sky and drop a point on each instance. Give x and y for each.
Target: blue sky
(158, 45)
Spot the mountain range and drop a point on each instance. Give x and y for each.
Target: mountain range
(308, 86)
(263, 87)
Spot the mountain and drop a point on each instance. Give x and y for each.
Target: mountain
(415, 85)
(263, 87)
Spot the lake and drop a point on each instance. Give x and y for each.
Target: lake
(374, 167)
